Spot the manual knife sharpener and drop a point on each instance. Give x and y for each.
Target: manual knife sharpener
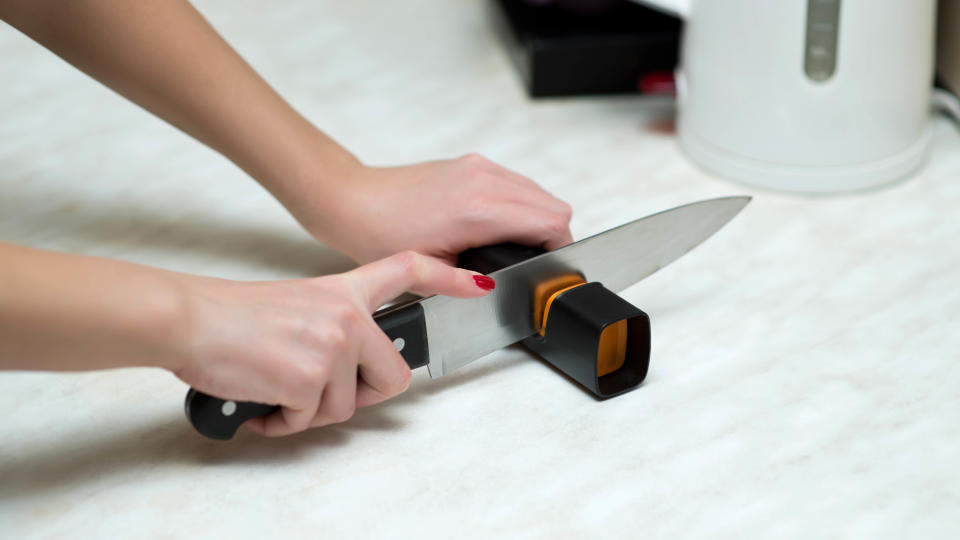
(586, 331)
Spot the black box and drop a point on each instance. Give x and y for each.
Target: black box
(561, 53)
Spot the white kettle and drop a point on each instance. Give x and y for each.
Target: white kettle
(812, 96)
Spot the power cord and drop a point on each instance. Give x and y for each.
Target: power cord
(947, 102)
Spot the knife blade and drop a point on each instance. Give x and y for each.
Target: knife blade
(463, 330)
(445, 333)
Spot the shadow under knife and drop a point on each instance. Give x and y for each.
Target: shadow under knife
(46, 466)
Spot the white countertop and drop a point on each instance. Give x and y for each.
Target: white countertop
(804, 377)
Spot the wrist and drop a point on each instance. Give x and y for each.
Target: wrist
(167, 325)
(316, 183)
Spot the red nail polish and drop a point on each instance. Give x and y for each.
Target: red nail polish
(484, 282)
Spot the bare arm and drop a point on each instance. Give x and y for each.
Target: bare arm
(164, 56)
(67, 312)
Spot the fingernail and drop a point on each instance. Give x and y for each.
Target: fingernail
(485, 282)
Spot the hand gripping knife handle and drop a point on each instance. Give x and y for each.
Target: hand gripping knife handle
(590, 333)
(586, 331)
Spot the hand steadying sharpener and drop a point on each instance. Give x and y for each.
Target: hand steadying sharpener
(583, 329)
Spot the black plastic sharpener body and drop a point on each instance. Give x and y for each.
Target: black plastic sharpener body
(575, 322)
(571, 340)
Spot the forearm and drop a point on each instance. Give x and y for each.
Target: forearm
(165, 57)
(67, 312)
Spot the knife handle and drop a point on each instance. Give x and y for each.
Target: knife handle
(489, 259)
(220, 418)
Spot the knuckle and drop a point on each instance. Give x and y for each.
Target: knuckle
(351, 320)
(293, 421)
(335, 413)
(407, 258)
(397, 381)
(344, 316)
(414, 264)
(336, 337)
(343, 413)
(402, 382)
(314, 375)
(556, 224)
(285, 322)
(331, 334)
(474, 158)
(301, 388)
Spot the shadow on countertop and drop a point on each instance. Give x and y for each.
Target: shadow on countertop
(43, 467)
(130, 228)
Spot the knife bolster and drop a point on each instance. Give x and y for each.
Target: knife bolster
(588, 332)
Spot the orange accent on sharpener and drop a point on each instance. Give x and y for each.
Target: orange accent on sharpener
(612, 348)
(546, 292)
(584, 330)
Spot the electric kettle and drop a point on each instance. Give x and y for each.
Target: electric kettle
(812, 96)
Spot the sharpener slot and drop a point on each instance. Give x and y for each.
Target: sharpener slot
(597, 338)
(586, 331)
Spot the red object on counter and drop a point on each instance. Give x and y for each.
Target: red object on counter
(658, 82)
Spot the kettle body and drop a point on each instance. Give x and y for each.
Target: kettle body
(811, 96)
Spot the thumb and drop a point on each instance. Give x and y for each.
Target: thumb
(381, 281)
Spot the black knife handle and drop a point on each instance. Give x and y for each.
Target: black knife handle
(489, 259)
(406, 326)
(219, 418)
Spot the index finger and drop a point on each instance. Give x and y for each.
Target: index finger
(381, 281)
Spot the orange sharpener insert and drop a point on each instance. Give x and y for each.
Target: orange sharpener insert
(583, 329)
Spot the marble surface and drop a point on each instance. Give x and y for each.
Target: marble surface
(804, 377)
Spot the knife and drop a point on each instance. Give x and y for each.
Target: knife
(445, 333)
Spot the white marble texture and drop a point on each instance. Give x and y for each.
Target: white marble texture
(804, 379)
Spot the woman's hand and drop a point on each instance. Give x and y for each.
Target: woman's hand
(309, 345)
(439, 208)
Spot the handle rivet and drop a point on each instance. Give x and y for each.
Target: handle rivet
(228, 408)
(399, 343)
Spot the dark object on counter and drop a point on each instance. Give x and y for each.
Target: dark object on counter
(561, 53)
